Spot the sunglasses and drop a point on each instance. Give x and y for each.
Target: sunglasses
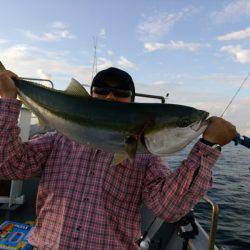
(120, 93)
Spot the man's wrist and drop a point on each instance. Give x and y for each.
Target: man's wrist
(211, 144)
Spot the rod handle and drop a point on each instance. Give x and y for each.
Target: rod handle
(243, 140)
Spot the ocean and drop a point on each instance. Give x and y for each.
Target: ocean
(231, 191)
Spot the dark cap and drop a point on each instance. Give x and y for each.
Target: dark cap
(115, 78)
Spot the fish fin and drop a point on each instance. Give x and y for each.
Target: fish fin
(42, 122)
(24, 104)
(75, 88)
(119, 158)
(131, 146)
(2, 68)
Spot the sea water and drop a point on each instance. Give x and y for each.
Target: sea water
(231, 191)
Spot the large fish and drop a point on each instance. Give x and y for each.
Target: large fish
(122, 128)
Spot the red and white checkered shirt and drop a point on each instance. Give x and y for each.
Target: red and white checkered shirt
(82, 201)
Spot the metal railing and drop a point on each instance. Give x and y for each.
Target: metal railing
(38, 79)
(214, 222)
(162, 98)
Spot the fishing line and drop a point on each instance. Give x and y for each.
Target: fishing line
(238, 140)
(238, 90)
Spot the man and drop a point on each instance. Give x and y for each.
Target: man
(82, 201)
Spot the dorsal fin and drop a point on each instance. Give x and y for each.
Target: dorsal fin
(1, 66)
(76, 89)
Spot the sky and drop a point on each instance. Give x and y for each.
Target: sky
(197, 51)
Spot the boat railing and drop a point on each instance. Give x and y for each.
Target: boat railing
(214, 222)
(205, 240)
(39, 79)
(162, 98)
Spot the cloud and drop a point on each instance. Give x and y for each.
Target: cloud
(159, 82)
(17, 52)
(174, 45)
(103, 63)
(56, 35)
(42, 74)
(125, 63)
(237, 35)
(30, 61)
(186, 46)
(3, 41)
(234, 11)
(102, 33)
(222, 79)
(59, 25)
(150, 47)
(241, 55)
(157, 26)
(110, 52)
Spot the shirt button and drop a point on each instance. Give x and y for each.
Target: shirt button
(86, 199)
(206, 155)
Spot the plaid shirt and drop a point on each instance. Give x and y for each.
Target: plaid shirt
(83, 202)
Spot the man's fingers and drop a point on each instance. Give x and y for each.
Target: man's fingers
(12, 75)
(9, 74)
(7, 85)
(211, 119)
(219, 131)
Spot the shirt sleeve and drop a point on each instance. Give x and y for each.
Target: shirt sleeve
(20, 160)
(171, 194)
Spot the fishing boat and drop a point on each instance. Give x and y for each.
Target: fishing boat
(18, 204)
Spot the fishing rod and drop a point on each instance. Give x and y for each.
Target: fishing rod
(243, 140)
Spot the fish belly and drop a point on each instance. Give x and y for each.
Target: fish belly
(170, 140)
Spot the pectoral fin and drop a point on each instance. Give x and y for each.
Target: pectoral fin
(131, 146)
(130, 151)
(119, 158)
(42, 123)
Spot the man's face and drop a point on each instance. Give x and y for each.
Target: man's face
(110, 94)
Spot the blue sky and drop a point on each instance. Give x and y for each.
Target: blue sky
(198, 51)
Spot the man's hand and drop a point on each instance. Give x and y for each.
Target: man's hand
(219, 131)
(7, 86)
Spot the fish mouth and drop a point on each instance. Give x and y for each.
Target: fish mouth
(204, 116)
(199, 124)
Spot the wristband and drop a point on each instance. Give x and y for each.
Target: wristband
(212, 145)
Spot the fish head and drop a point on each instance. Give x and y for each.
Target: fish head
(177, 132)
